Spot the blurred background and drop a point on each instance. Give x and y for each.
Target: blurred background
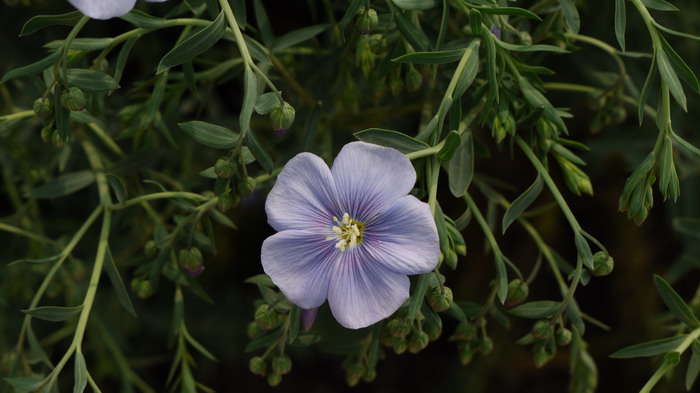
(626, 300)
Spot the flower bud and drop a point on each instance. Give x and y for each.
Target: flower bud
(246, 186)
(400, 345)
(485, 345)
(461, 249)
(367, 21)
(225, 202)
(542, 329)
(252, 331)
(465, 331)
(43, 107)
(417, 342)
(563, 336)
(73, 99)
(274, 379)
(369, 375)
(517, 292)
(541, 357)
(266, 318)
(440, 299)
(434, 330)
(398, 327)
(57, 139)
(576, 179)
(191, 260)
(602, 264)
(466, 355)
(396, 84)
(46, 133)
(308, 317)
(365, 59)
(142, 287)
(224, 168)
(282, 117)
(414, 79)
(498, 129)
(257, 365)
(150, 249)
(354, 372)
(281, 365)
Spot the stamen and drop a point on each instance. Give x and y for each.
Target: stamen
(348, 232)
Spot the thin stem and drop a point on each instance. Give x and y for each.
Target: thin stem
(158, 195)
(17, 116)
(25, 233)
(228, 12)
(666, 364)
(66, 45)
(425, 152)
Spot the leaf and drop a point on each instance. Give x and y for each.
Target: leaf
(296, 37)
(221, 218)
(693, 366)
(501, 278)
(118, 284)
(199, 347)
(659, 5)
(83, 44)
(38, 261)
(536, 310)
(250, 95)
(575, 316)
(294, 317)
(265, 103)
(350, 13)
(36, 348)
(210, 135)
(410, 32)
(674, 32)
(194, 45)
(573, 21)
(33, 68)
(513, 11)
(80, 373)
(259, 152)
(650, 348)
(530, 48)
(452, 141)
(620, 22)
(389, 138)
(25, 384)
(475, 21)
(415, 5)
(456, 312)
(143, 20)
(417, 296)
(521, 203)
(644, 95)
(436, 57)
(63, 185)
(53, 313)
(536, 99)
(117, 185)
(680, 67)
(675, 303)
(668, 74)
(470, 69)
(263, 341)
(61, 115)
(584, 250)
(91, 81)
(123, 57)
(461, 166)
(38, 22)
(687, 225)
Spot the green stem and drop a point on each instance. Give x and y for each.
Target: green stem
(433, 174)
(425, 152)
(228, 12)
(22, 232)
(66, 45)
(158, 195)
(17, 116)
(666, 364)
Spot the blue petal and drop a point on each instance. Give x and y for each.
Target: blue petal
(304, 196)
(300, 263)
(368, 177)
(363, 293)
(106, 9)
(403, 238)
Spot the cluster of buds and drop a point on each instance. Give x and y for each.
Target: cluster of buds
(367, 20)
(544, 337)
(402, 335)
(142, 287)
(231, 185)
(471, 339)
(191, 260)
(357, 369)
(272, 367)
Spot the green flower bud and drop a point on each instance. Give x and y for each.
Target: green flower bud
(246, 186)
(191, 260)
(398, 327)
(43, 107)
(252, 331)
(465, 331)
(46, 133)
(466, 355)
(257, 365)
(386, 338)
(367, 21)
(57, 139)
(541, 357)
(434, 330)
(461, 249)
(150, 249)
(282, 117)
(603, 264)
(452, 259)
(396, 84)
(498, 130)
(281, 365)
(485, 345)
(365, 58)
(439, 300)
(225, 202)
(542, 329)
(417, 342)
(400, 345)
(576, 179)
(224, 168)
(563, 336)
(354, 372)
(142, 287)
(414, 79)
(73, 99)
(517, 292)
(266, 318)
(274, 379)
(369, 375)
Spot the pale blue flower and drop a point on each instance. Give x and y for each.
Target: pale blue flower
(350, 234)
(106, 9)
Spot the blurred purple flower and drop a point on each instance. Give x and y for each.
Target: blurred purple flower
(496, 31)
(350, 234)
(308, 317)
(106, 9)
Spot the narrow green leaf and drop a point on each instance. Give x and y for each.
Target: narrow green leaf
(143, 20)
(536, 310)
(417, 296)
(693, 366)
(38, 261)
(684, 72)
(671, 78)
(194, 45)
(91, 81)
(294, 315)
(199, 347)
(38, 22)
(436, 57)
(83, 44)
(491, 66)
(118, 284)
(25, 384)
(620, 22)
(123, 57)
(261, 280)
(297, 37)
(33, 68)
(452, 141)
(250, 95)
(63, 185)
(373, 353)
(471, 69)
(659, 5)
(584, 250)
(501, 278)
(461, 166)
(573, 21)
(263, 23)
(646, 89)
(410, 32)
(259, 152)
(263, 341)
(521, 203)
(456, 312)
(53, 313)
(389, 138)
(415, 5)
(575, 316)
(530, 48)
(265, 103)
(221, 218)
(650, 348)
(80, 373)
(350, 13)
(674, 32)
(475, 21)
(210, 135)
(536, 99)
(513, 11)
(688, 226)
(118, 187)
(675, 303)
(61, 115)
(36, 348)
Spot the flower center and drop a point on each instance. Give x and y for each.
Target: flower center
(347, 231)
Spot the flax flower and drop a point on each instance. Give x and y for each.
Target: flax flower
(350, 234)
(106, 9)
